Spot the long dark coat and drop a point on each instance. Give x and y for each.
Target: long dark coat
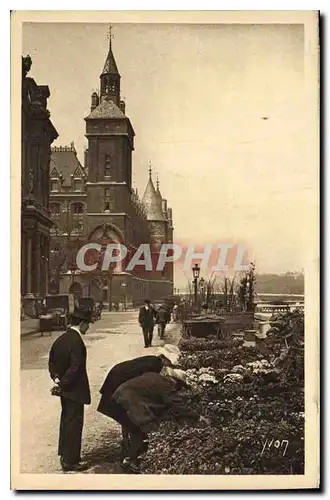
(147, 317)
(122, 373)
(146, 400)
(163, 316)
(67, 361)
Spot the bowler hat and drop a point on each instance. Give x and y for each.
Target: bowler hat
(82, 314)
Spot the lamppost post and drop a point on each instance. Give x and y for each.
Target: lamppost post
(202, 288)
(107, 280)
(195, 270)
(109, 292)
(123, 285)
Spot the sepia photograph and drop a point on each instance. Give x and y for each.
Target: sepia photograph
(165, 206)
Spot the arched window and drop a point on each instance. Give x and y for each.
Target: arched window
(77, 208)
(54, 185)
(107, 166)
(77, 184)
(55, 208)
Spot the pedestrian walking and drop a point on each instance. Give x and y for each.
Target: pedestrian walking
(141, 403)
(163, 316)
(147, 317)
(175, 313)
(67, 368)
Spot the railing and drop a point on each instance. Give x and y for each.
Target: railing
(278, 308)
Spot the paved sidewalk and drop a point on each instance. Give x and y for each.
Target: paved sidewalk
(114, 338)
(29, 326)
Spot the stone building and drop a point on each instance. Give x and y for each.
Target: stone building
(37, 135)
(97, 203)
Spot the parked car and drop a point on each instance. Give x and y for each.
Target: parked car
(56, 312)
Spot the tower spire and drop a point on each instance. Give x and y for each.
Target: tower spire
(110, 77)
(157, 183)
(152, 200)
(110, 36)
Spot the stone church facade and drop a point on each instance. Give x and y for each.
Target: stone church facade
(37, 135)
(95, 202)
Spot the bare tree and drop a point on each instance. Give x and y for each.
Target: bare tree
(246, 291)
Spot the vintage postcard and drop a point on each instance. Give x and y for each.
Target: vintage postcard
(165, 214)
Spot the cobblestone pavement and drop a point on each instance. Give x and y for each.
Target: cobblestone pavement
(29, 325)
(114, 338)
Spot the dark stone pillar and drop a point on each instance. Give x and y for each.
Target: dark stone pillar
(29, 266)
(23, 264)
(36, 264)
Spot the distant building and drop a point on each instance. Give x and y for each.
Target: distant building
(96, 202)
(38, 133)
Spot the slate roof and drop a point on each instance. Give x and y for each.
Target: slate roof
(152, 203)
(110, 66)
(65, 161)
(106, 109)
(158, 193)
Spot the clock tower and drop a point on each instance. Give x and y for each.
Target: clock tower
(110, 138)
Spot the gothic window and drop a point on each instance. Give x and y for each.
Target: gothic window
(77, 208)
(54, 185)
(55, 208)
(107, 166)
(77, 185)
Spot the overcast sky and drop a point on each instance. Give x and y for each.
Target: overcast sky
(197, 96)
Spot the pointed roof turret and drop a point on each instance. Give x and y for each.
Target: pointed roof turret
(110, 66)
(152, 201)
(110, 77)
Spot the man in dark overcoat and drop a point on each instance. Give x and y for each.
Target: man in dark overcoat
(147, 316)
(141, 403)
(67, 368)
(163, 316)
(119, 374)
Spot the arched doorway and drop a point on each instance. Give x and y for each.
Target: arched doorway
(107, 234)
(104, 235)
(76, 290)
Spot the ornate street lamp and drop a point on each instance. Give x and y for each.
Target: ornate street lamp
(195, 270)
